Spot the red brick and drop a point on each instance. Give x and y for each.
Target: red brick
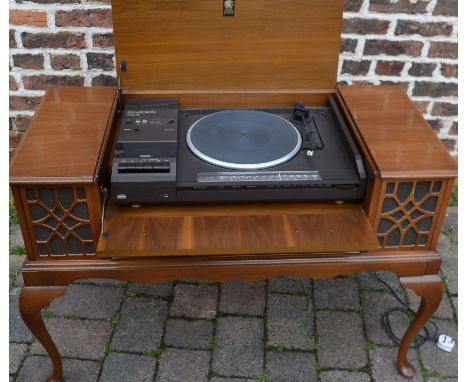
(409, 27)
(365, 26)
(449, 70)
(421, 69)
(393, 48)
(24, 103)
(353, 5)
(435, 89)
(445, 109)
(422, 106)
(103, 80)
(13, 84)
(443, 49)
(389, 68)
(28, 61)
(398, 6)
(65, 40)
(401, 84)
(26, 17)
(84, 18)
(348, 45)
(102, 61)
(450, 144)
(436, 125)
(446, 8)
(103, 40)
(65, 61)
(12, 39)
(43, 81)
(454, 129)
(22, 122)
(14, 138)
(355, 67)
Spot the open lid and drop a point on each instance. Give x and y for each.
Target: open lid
(227, 44)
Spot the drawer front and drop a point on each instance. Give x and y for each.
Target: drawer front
(410, 213)
(59, 221)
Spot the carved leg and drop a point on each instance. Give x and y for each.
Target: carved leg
(429, 288)
(31, 301)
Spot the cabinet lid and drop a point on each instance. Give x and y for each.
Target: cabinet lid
(192, 45)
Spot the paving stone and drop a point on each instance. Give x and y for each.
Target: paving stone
(455, 304)
(17, 353)
(195, 301)
(177, 365)
(383, 365)
(221, 379)
(88, 301)
(288, 366)
(77, 338)
(369, 281)
(339, 293)
(341, 340)
(239, 347)
(290, 321)
(451, 223)
(157, 290)
(433, 379)
(243, 297)
(439, 361)
(18, 330)
(194, 334)
(128, 367)
(141, 325)
(37, 369)
(443, 244)
(289, 284)
(16, 237)
(343, 376)
(101, 282)
(16, 263)
(375, 304)
(19, 281)
(443, 311)
(450, 268)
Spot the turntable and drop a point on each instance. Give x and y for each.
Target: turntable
(167, 155)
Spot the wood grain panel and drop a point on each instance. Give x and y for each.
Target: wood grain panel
(236, 229)
(199, 99)
(268, 44)
(67, 137)
(394, 133)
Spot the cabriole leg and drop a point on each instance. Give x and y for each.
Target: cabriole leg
(31, 301)
(429, 288)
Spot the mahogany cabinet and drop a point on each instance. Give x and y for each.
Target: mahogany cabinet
(252, 59)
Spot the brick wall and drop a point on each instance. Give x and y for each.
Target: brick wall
(412, 43)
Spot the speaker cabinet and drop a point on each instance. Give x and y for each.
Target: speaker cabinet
(409, 212)
(61, 220)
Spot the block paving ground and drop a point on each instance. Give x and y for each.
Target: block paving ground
(284, 329)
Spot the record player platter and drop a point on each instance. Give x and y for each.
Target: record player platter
(244, 139)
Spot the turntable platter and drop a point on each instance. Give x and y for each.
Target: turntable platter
(244, 139)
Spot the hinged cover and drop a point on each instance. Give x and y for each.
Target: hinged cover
(192, 45)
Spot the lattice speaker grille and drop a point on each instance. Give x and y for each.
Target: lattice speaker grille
(407, 213)
(60, 221)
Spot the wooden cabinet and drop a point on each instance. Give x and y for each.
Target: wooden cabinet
(263, 56)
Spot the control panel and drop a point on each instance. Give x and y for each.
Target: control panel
(144, 164)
